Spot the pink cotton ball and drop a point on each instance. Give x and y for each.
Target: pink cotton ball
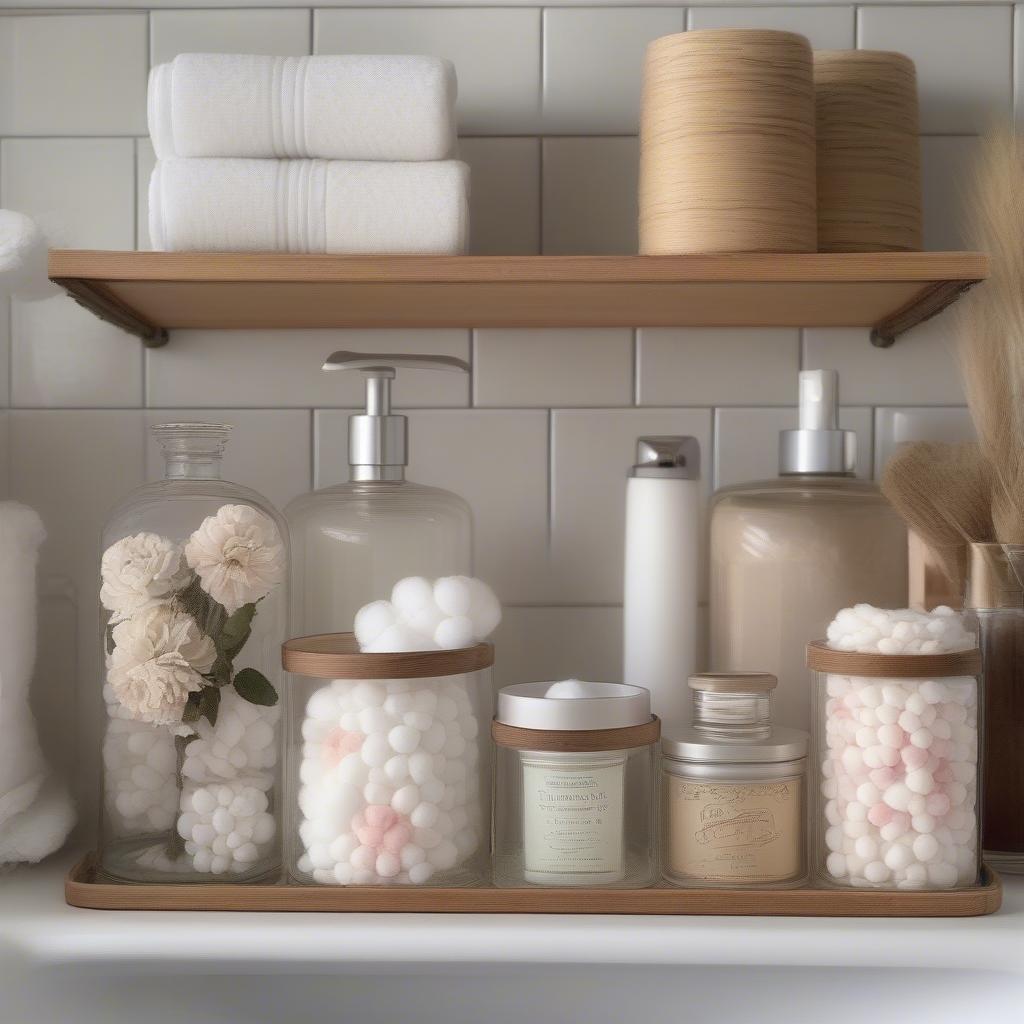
(943, 773)
(889, 756)
(937, 805)
(941, 748)
(898, 797)
(880, 814)
(370, 835)
(914, 757)
(379, 816)
(396, 837)
(891, 736)
(882, 777)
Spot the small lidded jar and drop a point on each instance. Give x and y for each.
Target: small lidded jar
(733, 793)
(574, 774)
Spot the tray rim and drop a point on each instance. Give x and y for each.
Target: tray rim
(82, 890)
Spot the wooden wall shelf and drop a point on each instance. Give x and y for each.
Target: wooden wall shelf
(151, 293)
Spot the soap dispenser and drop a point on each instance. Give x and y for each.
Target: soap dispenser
(787, 554)
(351, 543)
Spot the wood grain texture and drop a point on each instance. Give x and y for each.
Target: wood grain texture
(238, 291)
(822, 658)
(337, 656)
(576, 741)
(869, 155)
(82, 889)
(727, 144)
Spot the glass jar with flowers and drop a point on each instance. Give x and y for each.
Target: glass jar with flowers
(193, 595)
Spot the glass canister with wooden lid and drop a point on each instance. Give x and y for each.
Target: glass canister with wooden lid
(389, 767)
(896, 738)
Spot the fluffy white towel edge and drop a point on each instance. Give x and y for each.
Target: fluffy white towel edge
(23, 258)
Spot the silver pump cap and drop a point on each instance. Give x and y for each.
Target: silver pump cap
(378, 439)
(818, 445)
(671, 458)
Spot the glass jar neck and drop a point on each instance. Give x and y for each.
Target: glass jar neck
(192, 451)
(740, 715)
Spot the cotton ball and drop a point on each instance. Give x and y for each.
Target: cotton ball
(876, 872)
(925, 848)
(898, 857)
(421, 873)
(454, 595)
(455, 633)
(372, 620)
(411, 594)
(835, 864)
(399, 639)
(484, 608)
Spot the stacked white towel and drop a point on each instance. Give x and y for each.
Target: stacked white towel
(325, 154)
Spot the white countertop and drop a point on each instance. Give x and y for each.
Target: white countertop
(38, 928)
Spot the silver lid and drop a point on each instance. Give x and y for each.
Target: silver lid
(818, 446)
(573, 705)
(673, 457)
(690, 744)
(378, 440)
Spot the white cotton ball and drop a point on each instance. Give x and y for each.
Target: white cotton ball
(835, 864)
(421, 767)
(369, 694)
(374, 720)
(920, 781)
(397, 768)
(876, 872)
(434, 739)
(421, 873)
(411, 594)
(388, 865)
(455, 633)
(454, 595)
(425, 621)
(399, 639)
(372, 620)
(942, 875)
(444, 855)
(424, 816)
(898, 857)
(484, 609)
(404, 739)
(375, 750)
(925, 848)
(406, 799)
(412, 855)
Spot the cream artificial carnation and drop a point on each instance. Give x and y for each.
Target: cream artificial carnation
(238, 555)
(158, 659)
(138, 570)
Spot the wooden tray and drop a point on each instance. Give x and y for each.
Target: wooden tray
(81, 889)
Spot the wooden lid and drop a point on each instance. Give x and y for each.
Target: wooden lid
(822, 658)
(576, 741)
(337, 656)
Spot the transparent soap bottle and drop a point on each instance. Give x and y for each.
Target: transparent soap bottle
(351, 543)
(787, 554)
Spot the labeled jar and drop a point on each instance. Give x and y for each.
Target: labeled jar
(733, 789)
(574, 773)
(193, 590)
(389, 764)
(896, 740)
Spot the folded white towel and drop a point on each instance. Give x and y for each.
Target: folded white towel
(23, 270)
(359, 107)
(35, 811)
(317, 206)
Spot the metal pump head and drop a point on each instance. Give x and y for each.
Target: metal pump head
(818, 446)
(378, 439)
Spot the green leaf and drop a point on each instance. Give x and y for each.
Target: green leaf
(210, 615)
(209, 703)
(236, 630)
(191, 712)
(255, 687)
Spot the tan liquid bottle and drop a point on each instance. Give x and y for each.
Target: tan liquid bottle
(787, 554)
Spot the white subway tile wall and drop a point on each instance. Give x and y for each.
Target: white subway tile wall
(539, 438)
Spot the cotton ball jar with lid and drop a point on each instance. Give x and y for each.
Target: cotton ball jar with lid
(386, 743)
(888, 728)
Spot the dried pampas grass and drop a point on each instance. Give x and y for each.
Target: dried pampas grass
(943, 491)
(991, 327)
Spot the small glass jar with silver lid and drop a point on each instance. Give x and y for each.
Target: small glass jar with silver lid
(574, 785)
(733, 789)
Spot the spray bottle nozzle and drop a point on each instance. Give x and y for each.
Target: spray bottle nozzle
(818, 445)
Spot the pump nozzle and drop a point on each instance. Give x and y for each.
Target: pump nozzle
(818, 445)
(377, 438)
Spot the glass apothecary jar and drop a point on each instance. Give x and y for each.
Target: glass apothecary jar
(389, 764)
(896, 742)
(193, 596)
(573, 789)
(733, 803)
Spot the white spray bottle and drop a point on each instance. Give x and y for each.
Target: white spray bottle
(663, 504)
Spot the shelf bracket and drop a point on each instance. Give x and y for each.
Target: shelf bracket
(95, 298)
(929, 303)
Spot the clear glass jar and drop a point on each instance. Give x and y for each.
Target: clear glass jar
(896, 739)
(389, 764)
(995, 595)
(733, 789)
(193, 590)
(573, 791)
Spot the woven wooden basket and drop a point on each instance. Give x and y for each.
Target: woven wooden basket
(869, 164)
(727, 144)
